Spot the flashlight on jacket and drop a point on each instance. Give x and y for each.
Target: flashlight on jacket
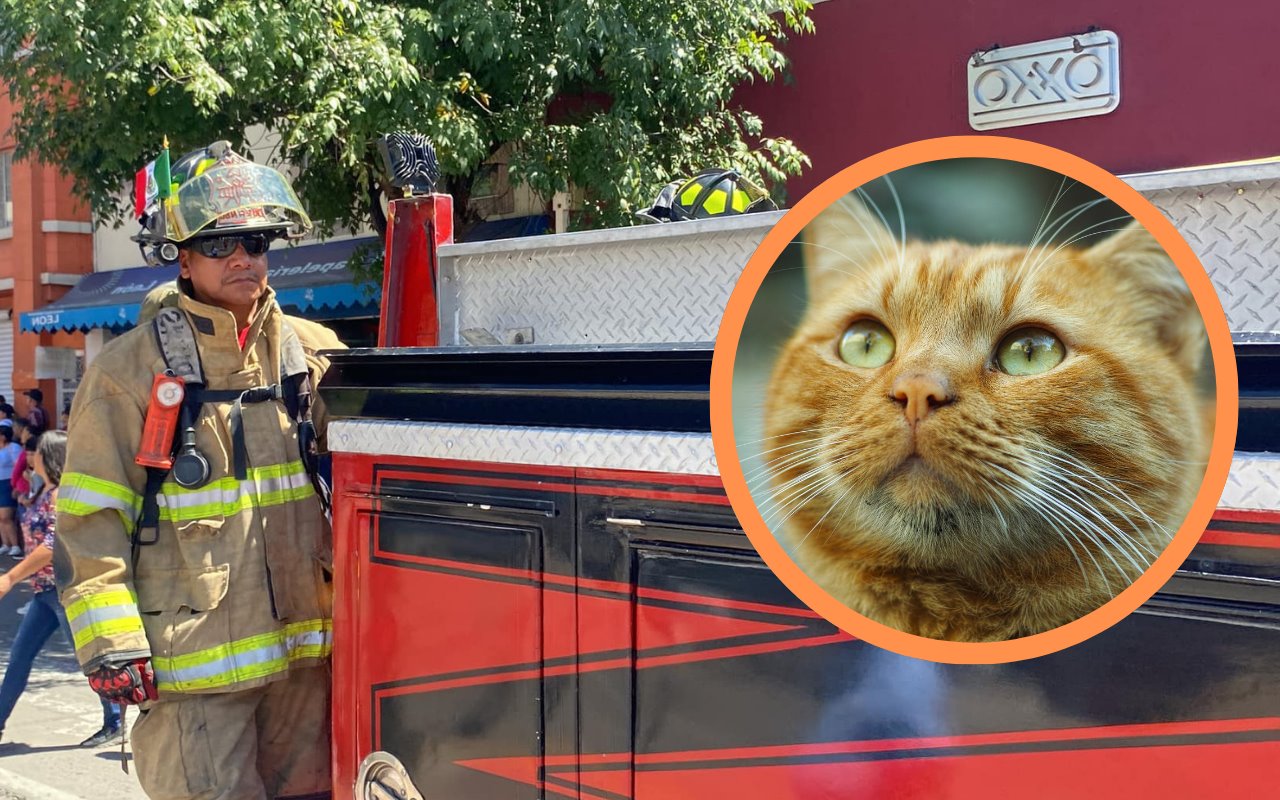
(156, 448)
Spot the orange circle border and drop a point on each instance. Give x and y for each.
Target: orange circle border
(1226, 412)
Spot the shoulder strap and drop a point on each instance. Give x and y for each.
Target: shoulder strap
(295, 377)
(181, 355)
(293, 359)
(178, 344)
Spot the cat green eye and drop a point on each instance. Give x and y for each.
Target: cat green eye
(1029, 351)
(866, 343)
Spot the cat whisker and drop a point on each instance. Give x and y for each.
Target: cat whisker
(871, 204)
(788, 445)
(799, 491)
(1079, 510)
(1052, 229)
(1076, 480)
(1072, 517)
(782, 493)
(781, 463)
(1046, 254)
(780, 435)
(1079, 531)
(1031, 498)
(835, 504)
(778, 464)
(1085, 473)
(1074, 467)
(995, 506)
(902, 224)
(1067, 486)
(801, 498)
(1070, 216)
(859, 264)
(776, 469)
(1083, 234)
(1044, 220)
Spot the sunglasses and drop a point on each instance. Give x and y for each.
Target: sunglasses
(255, 244)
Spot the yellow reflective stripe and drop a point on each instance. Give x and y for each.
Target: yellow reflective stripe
(244, 502)
(266, 486)
(245, 659)
(103, 614)
(115, 627)
(277, 471)
(83, 510)
(110, 597)
(81, 495)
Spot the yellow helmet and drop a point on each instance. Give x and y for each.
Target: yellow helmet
(710, 193)
(213, 190)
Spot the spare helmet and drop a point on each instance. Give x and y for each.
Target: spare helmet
(710, 193)
(213, 191)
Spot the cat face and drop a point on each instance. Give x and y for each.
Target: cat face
(987, 412)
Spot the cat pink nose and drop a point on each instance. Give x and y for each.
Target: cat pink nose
(921, 392)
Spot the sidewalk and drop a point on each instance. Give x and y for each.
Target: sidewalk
(39, 754)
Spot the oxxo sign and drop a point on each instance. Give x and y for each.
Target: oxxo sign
(1073, 76)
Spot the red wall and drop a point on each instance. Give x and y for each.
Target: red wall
(1199, 80)
(40, 193)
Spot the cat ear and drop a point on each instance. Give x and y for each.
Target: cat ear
(843, 239)
(1162, 297)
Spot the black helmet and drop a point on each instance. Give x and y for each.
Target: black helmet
(710, 193)
(212, 190)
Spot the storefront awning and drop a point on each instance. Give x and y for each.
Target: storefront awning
(310, 281)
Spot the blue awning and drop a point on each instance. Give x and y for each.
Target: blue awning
(310, 280)
(511, 228)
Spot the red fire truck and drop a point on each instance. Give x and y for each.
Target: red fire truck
(542, 591)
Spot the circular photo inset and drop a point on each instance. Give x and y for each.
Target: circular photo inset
(973, 402)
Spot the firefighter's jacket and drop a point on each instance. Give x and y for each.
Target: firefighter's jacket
(236, 590)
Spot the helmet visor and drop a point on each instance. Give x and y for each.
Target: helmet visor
(235, 196)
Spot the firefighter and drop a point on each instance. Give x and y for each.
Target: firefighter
(196, 555)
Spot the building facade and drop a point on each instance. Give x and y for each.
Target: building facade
(46, 245)
(878, 75)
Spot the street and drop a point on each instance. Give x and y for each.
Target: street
(39, 754)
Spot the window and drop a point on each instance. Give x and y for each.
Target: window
(6, 190)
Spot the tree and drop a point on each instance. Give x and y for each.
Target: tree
(616, 97)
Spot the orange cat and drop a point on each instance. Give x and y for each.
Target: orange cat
(978, 443)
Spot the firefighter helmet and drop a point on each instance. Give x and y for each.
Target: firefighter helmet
(710, 193)
(214, 191)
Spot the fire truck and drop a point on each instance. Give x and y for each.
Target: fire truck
(542, 592)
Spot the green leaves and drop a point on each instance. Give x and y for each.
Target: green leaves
(615, 97)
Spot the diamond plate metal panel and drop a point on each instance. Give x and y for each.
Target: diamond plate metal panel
(1234, 227)
(650, 284)
(677, 453)
(1253, 483)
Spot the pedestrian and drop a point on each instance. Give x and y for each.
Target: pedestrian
(44, 614)
(217, 620)
(9, 453)
(21, 477)
(7, 414)
(36, 416)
